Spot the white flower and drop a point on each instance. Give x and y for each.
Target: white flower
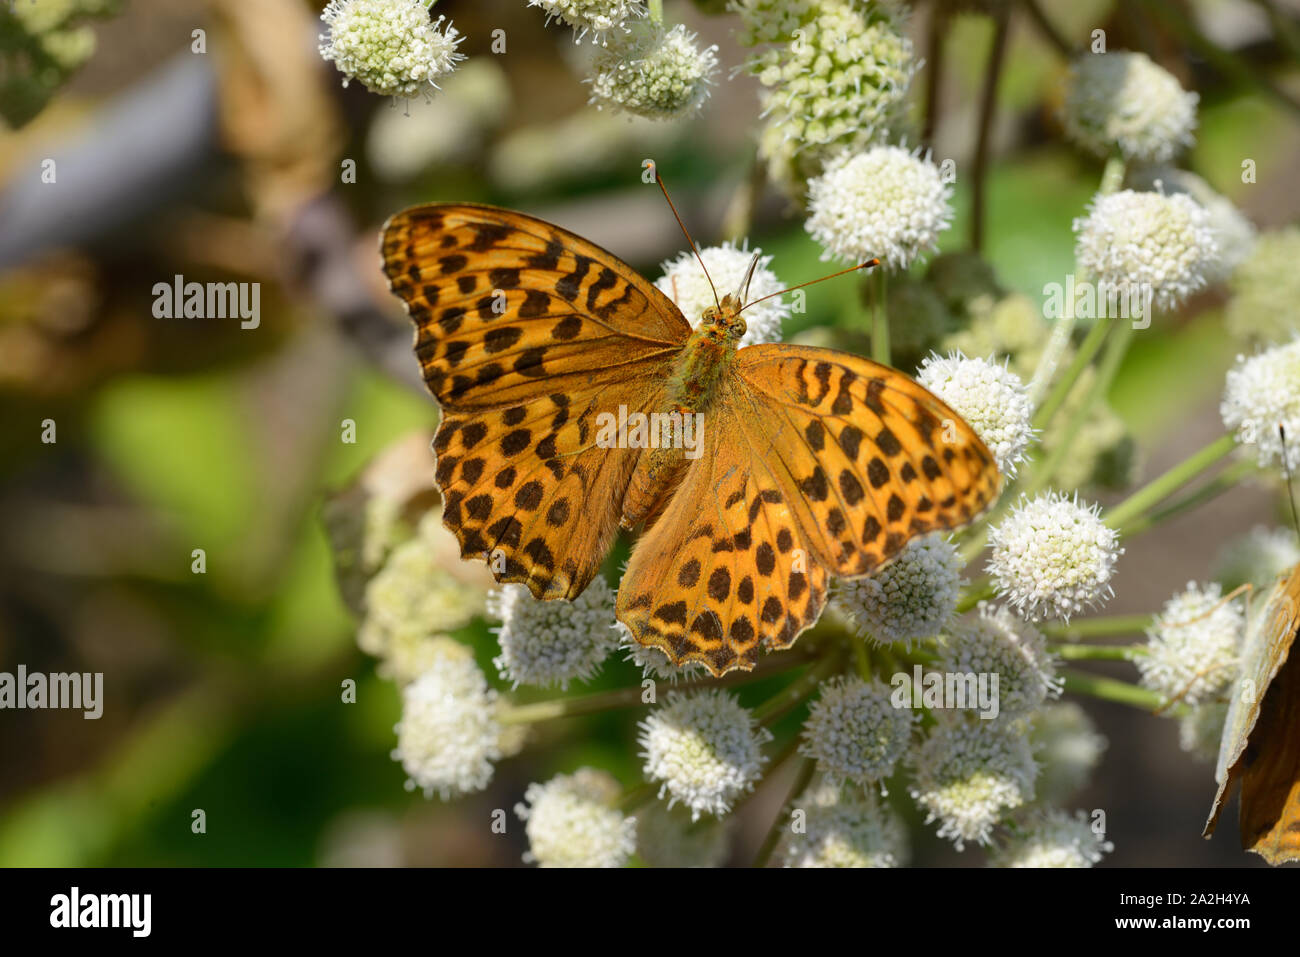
(1053, 557)
(596, 17)
(390, 46)
(668, 838)
(1266, 288)
(997, 642)
(655, 73)
(911, 597)
(1147, 243)
(854, 732)
(843, 827)
(553, 642)
(1067, 746)
(835, 77)
(416, 592)
(704, 749)
(449, 735)
(1234, 235)
(1051, 837)
(684, 283)
(990, 397)
(571, 821)
(1192, 651)
(1200, 731)
(887, 203)
(969, 773)
(1124, 102)
(1260, 394)
(1257, 557)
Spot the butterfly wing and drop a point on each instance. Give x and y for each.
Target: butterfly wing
(1261, 733)
(526, 334)
(815, 463)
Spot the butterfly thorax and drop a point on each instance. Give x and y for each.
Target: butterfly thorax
(697, 374)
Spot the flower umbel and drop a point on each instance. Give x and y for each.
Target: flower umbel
(449, 735)
(704, 750)
(911, 597)
(1053, 557)
(845, 827)
(656, 73)
(1126, 103)
(887, 202)
(990, 397)
(571, 822)
(1140, 242)
(1260, 394)
(553, 642)
(1051, 837)
(994, 641)
(390, 46)
(594, 17)
(854, 732)
(1193, 645)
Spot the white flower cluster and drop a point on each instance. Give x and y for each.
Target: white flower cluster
(390, 46)
(854, 732)
(1260, 394)
(1053, 557)
(1066, 743)
(1234, 234)
(911, 597)
(704, 750)
(970, 773)
(1192, 651)
(449, 735)
(835, 75)
(1123, 102)
(990, 397)
(1257, 557)
(997, 642)
(1147, 241)
(887, 202)
(553, 642)
(1051, 837)
(571, 821)
(844, 827)
(655, 73)
(594, 17)
(685, 284)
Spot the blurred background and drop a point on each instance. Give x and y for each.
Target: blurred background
(223, 156)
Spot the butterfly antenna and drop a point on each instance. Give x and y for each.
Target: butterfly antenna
(1290, 486)
(695, 249)
(866, 265)
(743, 292)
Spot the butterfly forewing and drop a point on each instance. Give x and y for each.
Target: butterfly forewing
(815, 463)
(526, 334)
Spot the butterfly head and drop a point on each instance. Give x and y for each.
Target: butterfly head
(723, 321)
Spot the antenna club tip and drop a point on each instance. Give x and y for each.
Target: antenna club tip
(869, 263)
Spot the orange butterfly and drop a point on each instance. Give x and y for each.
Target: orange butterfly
(1261, 735)
(811, 462)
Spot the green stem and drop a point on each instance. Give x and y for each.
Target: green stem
(975, 593)
(773, 838)
(793, 694)
(1108, 689)
(1061, 391)
(1228, 478)
(1097, 652)
(879, 319)
(1106, 625)
(656, 8)
(984, 131)
(1171, 481)
(862, 657)
(1106, 370)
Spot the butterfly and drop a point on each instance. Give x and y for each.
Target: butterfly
(1261, 734)
(810, 462)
